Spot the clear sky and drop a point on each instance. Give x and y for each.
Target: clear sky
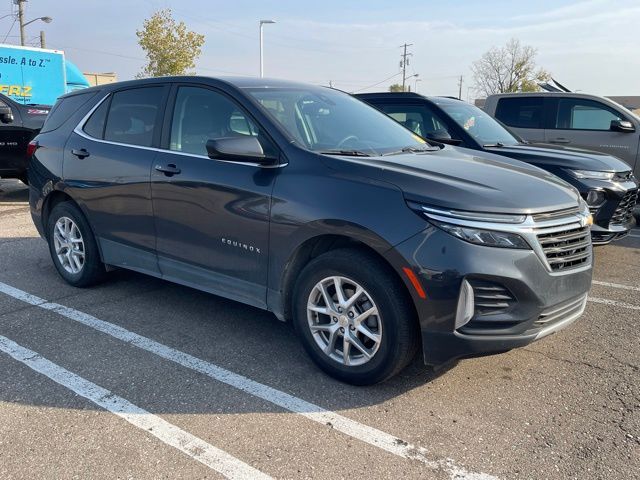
(588, 45)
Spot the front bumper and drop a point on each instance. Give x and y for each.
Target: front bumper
(529, 301)
(613, 219)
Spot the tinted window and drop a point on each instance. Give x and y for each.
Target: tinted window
(200, 115)
(521, 112)
(133, 115)
(95, 125)
(64, 109)
(579, 114)
(420, 120)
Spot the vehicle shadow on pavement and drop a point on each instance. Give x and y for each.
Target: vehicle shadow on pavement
(13, 191)
(241, 339)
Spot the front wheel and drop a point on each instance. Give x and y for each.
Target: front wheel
(354, 317)
(72, 246)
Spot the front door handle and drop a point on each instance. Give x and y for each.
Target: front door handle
(82, 153)
(560, 140)
(169, 169)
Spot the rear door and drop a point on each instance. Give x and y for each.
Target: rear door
(107, 168)
(211, 216)
(586, 123)
(525, 115)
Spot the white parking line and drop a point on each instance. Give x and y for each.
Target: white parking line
(606, 301)
(616, 285)
(168, 433)
(284, 400)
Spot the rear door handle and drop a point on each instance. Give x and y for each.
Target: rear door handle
(560, 140)
(168, 170)
(82, 153)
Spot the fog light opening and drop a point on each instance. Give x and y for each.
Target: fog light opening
(595, 198)
(466, 306)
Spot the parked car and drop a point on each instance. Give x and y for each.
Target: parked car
(571, 119)
(307, 202)
(18, 125)
(605, 182)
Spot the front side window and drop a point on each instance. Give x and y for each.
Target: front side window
(201, 115)
(583, 114)
(325, 120)
(133, 115)
(419, 120)
(482, 127)
(521, 112)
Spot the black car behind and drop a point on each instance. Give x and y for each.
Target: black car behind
(605, 182)
(19, 124)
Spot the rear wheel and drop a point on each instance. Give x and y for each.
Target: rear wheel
(354, 317)
(72, 246)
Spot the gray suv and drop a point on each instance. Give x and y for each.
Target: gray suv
(571, 119)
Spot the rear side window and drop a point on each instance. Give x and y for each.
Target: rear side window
(521, 112)
(583, 114)
(95, 125)
(64, 109)
(133, 115)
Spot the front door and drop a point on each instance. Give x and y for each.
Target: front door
(584, 123)
(211, 216)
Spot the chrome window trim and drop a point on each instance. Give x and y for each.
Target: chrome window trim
(80, 131)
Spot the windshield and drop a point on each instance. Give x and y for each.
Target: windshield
(483, 128)
(330, 121)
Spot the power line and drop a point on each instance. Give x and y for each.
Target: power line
(376, 84)
(10, 28)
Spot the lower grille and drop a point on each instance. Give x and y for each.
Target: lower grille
(560, 312)
(490, 298)
(566, 249)
(624, 212)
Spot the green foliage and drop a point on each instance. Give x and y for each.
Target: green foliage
(171, 49)
(396, 87)
(508, 69)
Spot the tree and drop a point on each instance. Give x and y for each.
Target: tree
(396, 87)
(511, 68)
(171, 49)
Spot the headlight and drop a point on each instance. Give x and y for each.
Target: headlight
(488, 238)
(591, 174)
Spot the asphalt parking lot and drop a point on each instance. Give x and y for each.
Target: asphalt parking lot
(141, 378)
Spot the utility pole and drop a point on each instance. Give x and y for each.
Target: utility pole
(43, 44)
(404, 62)
(460, 88)
(20, 4)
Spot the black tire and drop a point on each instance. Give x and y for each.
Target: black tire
(400, 333)
(93, 270)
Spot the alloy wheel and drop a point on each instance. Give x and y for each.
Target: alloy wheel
(69, 245)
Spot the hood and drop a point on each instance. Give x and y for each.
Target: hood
(465, 179)
(545, 155)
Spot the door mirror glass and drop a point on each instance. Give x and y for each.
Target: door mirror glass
(6, 115)
(238, 149)
(622, 126)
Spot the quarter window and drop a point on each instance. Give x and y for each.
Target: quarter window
(133, 115)
(520, 112)
(201, 115)
(583, 114)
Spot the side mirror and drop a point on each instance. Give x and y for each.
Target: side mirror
(442, 136)
(239, 149)
(6, 115)
(622, 126)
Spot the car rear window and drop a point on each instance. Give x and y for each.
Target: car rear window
(521, 112)
(64, 109)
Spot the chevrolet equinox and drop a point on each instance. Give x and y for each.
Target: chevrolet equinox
(309, 203)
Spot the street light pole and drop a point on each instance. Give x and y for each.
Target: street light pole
(21, 19)
(262, 22)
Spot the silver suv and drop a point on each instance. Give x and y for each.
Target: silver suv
(571, 119)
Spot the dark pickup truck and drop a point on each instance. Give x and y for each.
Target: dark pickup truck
(19, 124)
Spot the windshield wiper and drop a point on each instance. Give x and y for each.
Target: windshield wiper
(413, 150)
(346, 153)
(497, 144)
